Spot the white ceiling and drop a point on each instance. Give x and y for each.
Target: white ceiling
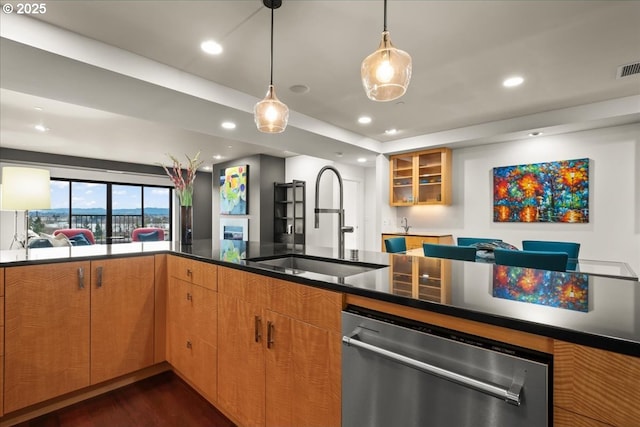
(128, 81)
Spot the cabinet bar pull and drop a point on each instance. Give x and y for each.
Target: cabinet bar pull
(80, 278)
(99, 270)
(189, 272)
(511, 394)
(257, 321)
(270, 330)
(188, 344)
(189, 297)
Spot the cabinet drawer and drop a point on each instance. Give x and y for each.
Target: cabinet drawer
(597, 384)
(562, 418)
(196, 272)
(317, 307)
(245, 286)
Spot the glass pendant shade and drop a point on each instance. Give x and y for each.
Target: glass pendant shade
(271, 115)
(386, 72)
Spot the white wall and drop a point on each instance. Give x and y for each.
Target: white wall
(613, 231)
(306, 168)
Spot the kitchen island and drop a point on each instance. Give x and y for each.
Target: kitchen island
(592, 329)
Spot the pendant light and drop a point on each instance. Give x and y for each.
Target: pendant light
(270, 114)
(387, 71)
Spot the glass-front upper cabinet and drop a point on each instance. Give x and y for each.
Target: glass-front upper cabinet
(421, 178)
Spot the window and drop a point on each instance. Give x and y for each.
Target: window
(110, 210)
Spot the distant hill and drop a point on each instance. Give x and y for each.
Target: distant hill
(101, 211)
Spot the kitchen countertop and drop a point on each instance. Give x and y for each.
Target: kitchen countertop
(600, 312)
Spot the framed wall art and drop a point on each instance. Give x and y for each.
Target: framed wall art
(234, 190)
(542, 192)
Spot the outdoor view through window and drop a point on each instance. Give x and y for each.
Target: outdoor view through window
(110, 211)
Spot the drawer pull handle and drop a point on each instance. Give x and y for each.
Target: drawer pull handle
(257, 327)
(99, 280)
(80, 278)
(189, 344)
(270, 331)
(189, 296)
(189, 272)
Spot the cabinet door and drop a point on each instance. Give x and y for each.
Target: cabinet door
(402, 180)
(122, 300)
(303, 374)
(241, 367)
(47, 332)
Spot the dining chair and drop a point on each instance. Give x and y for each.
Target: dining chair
(147, 234)
(395, 244)
(463, 253)
(543, 260)
(468, 241)
(72, 232)
(572, 249)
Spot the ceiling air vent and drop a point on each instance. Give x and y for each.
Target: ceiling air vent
(628, 70)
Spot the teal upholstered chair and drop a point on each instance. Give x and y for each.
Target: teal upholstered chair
(395, 244)
(556, 261)
(468, 241)
(464, 253)
(572, 249)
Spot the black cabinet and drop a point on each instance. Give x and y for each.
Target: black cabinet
(289, 212)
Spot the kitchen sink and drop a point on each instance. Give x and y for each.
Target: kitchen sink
(296, 264)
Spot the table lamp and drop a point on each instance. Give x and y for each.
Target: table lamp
(24, 189)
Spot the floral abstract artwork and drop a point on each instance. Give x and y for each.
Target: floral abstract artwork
(552, 288)
(233, 190)
(542, 192)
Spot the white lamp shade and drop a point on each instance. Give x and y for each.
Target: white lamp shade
(25, 188)
(386, 72)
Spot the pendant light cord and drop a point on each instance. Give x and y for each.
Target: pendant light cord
(385, 16)
(271, 65)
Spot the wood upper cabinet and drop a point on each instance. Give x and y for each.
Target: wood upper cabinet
(420, 178)
(415, 241)
(47, 332)
(595, 384)
(192, 331)
(279, 354)
(122, 316)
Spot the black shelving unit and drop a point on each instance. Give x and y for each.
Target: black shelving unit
(289, 212)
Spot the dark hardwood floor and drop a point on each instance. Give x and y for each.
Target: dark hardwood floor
(163, 400)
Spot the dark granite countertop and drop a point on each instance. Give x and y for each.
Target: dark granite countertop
(595, 311)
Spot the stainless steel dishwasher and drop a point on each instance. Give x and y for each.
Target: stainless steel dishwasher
(397, 372)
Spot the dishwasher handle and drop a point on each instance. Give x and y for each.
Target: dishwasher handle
(511, 395)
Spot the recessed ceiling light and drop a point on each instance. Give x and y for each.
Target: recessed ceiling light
(513, 81)
(228, 125)
(364, 120)
(391, 131)
(37, 108)
(535, 134)
(217, 157)
(211, 47)
(206, 168)
(299, 89)
(361, 160)
(41, 128)
(229, 146)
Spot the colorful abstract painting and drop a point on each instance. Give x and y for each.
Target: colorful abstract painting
(542, 192)
(552, 288)
(233, 190)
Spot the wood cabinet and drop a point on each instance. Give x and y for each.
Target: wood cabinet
(70, 325)
(47, 332)
(595, 384)
(192, 316)
(1, 341)
(122, 316)
(279, 356)
(415, 241)
(420, 178)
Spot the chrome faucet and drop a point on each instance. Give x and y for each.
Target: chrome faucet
(341, 227)
(406, 225)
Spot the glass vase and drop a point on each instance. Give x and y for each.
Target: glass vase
(186, 225)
